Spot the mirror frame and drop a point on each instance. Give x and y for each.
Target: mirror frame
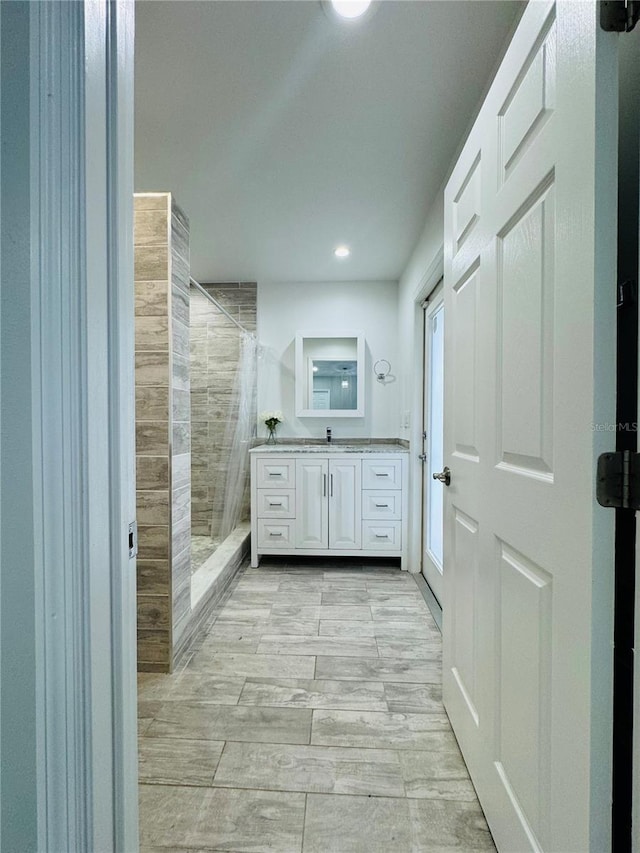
(302, 410)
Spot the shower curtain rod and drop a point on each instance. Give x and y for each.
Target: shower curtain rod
(206, 293)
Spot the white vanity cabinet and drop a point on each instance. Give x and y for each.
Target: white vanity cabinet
(325, 501)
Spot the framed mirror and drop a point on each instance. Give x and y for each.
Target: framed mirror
(329, 375)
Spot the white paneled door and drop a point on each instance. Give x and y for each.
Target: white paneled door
(529, 390)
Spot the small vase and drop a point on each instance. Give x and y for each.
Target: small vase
(271, 438)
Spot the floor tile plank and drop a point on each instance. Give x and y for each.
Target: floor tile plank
(173, 761)
(379, 669)
(201, 687)
(436, 775)
(220, 818)
(374, 772)
(382, 730)
(265, 666)
(346, 628)
(446, 825)
(336, 824)
(299, 693)
(413, 649)
(406, 698)
(284, 644)
(201, 721)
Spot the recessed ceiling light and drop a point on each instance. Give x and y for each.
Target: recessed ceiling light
(348, 12)
(342, 252)
(350, 8)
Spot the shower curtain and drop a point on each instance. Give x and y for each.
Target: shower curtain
(239, 433)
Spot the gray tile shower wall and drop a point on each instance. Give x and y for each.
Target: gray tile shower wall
(215, 351)
(163, 439)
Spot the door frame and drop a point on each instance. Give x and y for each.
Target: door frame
(626, 714)
(427, 283)
(432, 303)
(67, 674)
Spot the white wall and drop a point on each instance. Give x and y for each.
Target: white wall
(423, 269)
(286, 308)
(421, 273)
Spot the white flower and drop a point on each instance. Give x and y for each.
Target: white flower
(274, 417)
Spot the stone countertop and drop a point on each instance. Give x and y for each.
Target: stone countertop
(330, 448)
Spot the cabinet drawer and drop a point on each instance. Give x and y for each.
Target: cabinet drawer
(381, 504)
(382, 474)
(381, 535)
(276, 503)
(280, 533)
(275, 472)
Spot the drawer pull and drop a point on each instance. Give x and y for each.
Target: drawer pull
(275, 503)
(385, 474)
(275, 534)
(382, 535)
(275, 473)
(383, 506)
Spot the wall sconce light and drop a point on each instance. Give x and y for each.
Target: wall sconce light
(382, 369)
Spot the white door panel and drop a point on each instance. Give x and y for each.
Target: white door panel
(345, 503)
(312, 516)
(529, 363)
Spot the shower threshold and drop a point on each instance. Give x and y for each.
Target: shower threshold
(202, 547)
(216, 571)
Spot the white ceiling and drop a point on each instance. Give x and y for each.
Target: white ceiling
(283, 133)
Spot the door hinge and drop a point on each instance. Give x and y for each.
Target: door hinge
(619, 16)
(628, 294)
(618, 480)
(133, 540)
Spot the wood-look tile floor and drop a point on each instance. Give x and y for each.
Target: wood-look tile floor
(308, 720)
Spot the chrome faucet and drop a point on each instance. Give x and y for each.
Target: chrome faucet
(328, 435)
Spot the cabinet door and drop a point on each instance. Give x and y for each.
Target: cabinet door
(312, 519)
(345, 504)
